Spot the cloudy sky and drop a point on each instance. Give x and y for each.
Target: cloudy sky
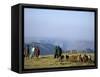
(61, 24)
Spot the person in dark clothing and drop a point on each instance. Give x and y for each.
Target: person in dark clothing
(56, 52)
(37, 52)
(59, 51)
(28, 50)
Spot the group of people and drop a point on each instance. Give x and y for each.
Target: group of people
(58, 52)
(33, 51)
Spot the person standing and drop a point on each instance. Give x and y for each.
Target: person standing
(32, 51)
(37, 52)
(59, 51)
(56, 52)
(28, 50)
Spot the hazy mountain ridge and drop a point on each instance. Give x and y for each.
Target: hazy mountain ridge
(47, 46)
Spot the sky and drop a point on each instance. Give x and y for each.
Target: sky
(59, 24)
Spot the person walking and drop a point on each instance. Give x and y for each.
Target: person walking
(59, 51)
(37, 52)
(32, 52)
(56, 52)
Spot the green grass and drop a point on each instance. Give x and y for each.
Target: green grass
(48, 61)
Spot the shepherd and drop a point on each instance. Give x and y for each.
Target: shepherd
(56, 52)
(37, 52)
(32, 51)
(59, 51)
(26, 51)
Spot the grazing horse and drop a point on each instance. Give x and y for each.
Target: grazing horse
(67, 57)
(90, 58)
(61, 58)
(80, 58)
(85, 58)
(75, 58)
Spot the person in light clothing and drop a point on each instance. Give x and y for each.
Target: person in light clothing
(32, 52)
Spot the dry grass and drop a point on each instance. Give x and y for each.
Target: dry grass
(48, 61)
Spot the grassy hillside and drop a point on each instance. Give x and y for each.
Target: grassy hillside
(48, 61)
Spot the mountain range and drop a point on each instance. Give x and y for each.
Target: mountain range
(47, 46)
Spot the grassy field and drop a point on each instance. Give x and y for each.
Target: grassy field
(48, 61)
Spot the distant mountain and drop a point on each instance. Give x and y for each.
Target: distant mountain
(47, 45)
(71, 45)
(78, 45)
(45, 49)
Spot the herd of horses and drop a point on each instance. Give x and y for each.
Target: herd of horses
(83, 58)
(71, 57)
